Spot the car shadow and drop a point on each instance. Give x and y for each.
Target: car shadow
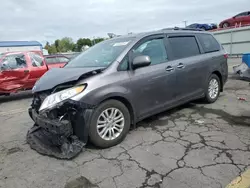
(156, 118)
(16, 96)
(162, 118)
(152, 120)
(237, 77)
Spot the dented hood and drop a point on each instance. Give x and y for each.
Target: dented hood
(57, 76)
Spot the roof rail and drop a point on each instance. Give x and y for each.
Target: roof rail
(184, 29)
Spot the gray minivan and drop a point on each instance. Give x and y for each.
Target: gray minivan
(102, 92)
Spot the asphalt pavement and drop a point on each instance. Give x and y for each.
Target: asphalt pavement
(195, 145)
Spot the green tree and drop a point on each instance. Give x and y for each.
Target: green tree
(52, 49)
(82, 42)
(97, 40)
(74, 49)
(66, 44)
(57, 43)
(47, 46)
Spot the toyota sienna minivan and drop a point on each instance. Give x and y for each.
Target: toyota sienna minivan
(99, 94)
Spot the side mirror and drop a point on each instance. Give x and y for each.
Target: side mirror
(141, 61)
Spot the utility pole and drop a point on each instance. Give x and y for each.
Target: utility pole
(185, 22)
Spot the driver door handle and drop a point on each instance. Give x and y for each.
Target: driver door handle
(180, 66)
(26, 71)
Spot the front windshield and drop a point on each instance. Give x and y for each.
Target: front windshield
(102, 54)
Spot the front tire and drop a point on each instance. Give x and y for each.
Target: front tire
(110, 124)
(212, 89)
(225, 25)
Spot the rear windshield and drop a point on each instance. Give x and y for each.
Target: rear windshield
(102, 54)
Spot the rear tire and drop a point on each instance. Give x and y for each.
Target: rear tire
(105, 119)
(212, 89)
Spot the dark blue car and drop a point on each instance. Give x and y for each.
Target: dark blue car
(205, 27)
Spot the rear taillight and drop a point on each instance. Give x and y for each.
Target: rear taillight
(226, 56)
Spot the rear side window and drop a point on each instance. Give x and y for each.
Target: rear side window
(184, 46)
(208, 43)
(62, 59)
(36, 60)
(242, 14)
(51, 60)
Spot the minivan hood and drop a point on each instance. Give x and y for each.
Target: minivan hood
(57, 76)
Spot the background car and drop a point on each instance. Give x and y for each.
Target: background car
(20, 70)
(56, 61)
(240, 19)
(205, 27)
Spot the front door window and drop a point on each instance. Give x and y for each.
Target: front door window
(154, 48)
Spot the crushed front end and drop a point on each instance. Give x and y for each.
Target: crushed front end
(61, 131)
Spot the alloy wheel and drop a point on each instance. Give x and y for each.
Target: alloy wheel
(110, 124)
(213, 88)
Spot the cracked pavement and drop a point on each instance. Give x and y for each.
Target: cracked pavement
(195, 145)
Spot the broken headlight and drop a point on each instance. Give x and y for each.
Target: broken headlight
(58, 97)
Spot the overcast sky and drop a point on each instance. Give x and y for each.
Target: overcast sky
(47, 20)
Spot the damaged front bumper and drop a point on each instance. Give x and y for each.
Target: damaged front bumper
(61, 132)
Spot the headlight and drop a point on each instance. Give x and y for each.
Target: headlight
(55, 98)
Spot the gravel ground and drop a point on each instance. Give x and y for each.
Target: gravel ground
(195, 145)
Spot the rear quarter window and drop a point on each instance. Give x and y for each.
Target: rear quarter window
(208, 43)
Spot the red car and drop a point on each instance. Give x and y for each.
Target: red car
(56, 60)
(240, 19)
(20, 70)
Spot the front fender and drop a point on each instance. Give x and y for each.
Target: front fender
(123, 94)
(98, 95)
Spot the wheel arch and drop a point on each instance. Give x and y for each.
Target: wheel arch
(226, 22)
(119, 93)
(217, 73)
(126, 102)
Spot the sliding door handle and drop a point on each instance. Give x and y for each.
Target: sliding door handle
(180, 66)
(169, 69)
